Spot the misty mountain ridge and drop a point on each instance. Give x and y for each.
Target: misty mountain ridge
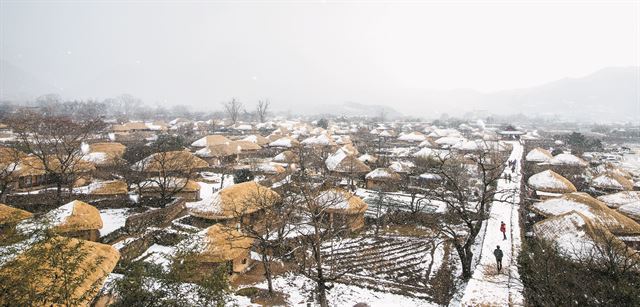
(609, 94)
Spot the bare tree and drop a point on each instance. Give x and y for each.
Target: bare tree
(233, 109)
(168, 172)
(270, 230)
(261, 110)
(468, 189)
(55, 141)
(9, 161)
(319, 231)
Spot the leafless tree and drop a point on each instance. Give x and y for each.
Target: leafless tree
(270, 229)
(55, 141)
(468, 189)
(261, 110)
(233, 109)
(167, 172)
(319, 232)
(9, 161)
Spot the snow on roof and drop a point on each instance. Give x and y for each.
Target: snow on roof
(210, 140)
(283, 142)
(616, 200)
(449, 140)
(430, 176)
(321, 139)
(401, 166)
(569, 232)
(96, 157)
(382, 173)
(367, 158)
(589, 207)
(612, 182)
(551, 182)
(335, 159)
(631, 210)
(567, 159)
(412, 137)
(538, 155)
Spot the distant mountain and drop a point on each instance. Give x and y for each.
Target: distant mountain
(608, 94)
(356, 109)
(19, 85)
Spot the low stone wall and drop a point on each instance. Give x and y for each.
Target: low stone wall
(156, 218)
(44, 202)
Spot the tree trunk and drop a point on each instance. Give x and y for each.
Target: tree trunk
(322, 295)
(266, 263)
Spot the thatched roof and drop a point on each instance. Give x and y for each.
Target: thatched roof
(616, 200)
(209, 140)
(551, 182)
(219, 150)
(247, 146)
(538, 155)
(219, 243)
(342, 162)
(285, 141)
(238, 199)
(567, 160)
(286, 156)
(111, 187)
(609, 168)
(382, 174)
(631, 210)
(257, 139)
(591, 208)
(577, 236)
(75, 216)
(33, 166)
(114, 148)
(98, 262)
(270, 168)
(179, 160)
(611, 181)
(10, 215)
(338, 200)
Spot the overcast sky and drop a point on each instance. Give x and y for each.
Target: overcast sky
(204, 52)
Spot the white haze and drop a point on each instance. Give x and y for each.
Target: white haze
(303, 54)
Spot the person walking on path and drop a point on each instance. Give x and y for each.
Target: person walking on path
(503, 229)
(498, 253)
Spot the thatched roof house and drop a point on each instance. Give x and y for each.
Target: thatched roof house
(285, 142)
(286, 156)
(256, 139)
(631, 210)
(11, 215)
(538, 155)
(219, 150)
(106, 153)
(219, 243)
(367, 158)
(550, 182)
(590, 207)
(105, 188)
(341, 204)
(577, 236)
(236, 200)
(382, 174)
(75, 216)
(319, 140)
(565, 159)
(414, 136)
(341, 162)
(170, 161)
(612, 182)
(92, 269)
(616, 200)
(209, 140)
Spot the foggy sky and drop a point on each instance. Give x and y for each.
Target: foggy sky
(201, 53)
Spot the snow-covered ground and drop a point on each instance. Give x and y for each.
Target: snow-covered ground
(299, 289)
(113, 219)
(486, 288)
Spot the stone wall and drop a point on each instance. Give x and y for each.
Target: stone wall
(156, 218)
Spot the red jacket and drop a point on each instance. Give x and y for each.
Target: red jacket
(503, 227)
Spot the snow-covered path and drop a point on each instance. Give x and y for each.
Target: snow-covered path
(485, 287)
